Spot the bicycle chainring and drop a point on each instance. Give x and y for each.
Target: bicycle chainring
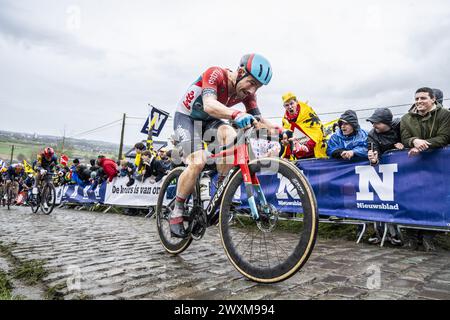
(199, 223)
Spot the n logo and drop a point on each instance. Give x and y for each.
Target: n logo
(384, 188)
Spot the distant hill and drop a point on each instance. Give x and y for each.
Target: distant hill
(28, 144)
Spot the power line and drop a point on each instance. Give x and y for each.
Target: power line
(95, 129)
(101, 129)
(358, 110)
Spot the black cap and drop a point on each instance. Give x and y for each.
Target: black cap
(439, 95)
(383, 115)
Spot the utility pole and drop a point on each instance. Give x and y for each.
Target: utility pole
(121, 136)
(63, 140)
(12, 154)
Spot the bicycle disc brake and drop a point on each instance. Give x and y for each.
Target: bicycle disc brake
(267, 221)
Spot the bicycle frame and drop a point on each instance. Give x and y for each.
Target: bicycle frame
(241, 159)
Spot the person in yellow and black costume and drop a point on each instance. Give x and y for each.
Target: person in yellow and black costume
(303, 137)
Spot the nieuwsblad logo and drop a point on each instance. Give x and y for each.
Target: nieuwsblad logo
(383, 187)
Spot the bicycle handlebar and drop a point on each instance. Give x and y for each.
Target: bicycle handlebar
(242, 134)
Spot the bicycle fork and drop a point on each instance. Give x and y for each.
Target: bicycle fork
(251, 183)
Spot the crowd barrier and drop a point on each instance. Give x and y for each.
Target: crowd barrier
(401, 190)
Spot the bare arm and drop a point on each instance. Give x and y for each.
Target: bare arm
(216, 109)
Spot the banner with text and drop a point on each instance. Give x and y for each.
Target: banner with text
(140, 194)
(400, 189)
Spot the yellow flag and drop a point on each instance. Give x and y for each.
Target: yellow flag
(308, 122)
(27, 167)
(328, 129)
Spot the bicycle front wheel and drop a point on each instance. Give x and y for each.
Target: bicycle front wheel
(276, 245)
(48, 198)
(34, 202)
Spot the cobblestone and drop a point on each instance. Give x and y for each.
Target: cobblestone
(120, 257)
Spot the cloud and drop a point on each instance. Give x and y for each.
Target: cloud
(27, 32)
(92, 61)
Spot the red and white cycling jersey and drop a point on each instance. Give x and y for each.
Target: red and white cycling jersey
(215, 80)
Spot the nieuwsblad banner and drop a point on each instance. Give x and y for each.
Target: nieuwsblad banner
(400, 189)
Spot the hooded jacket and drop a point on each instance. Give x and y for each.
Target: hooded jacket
(433, 127)
(109, 167)
(384, 141)
(356, 142)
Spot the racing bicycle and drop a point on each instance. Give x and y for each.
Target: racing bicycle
(265, 239)
(10, 192)
(44, 195)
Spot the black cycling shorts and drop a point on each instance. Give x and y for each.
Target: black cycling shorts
(191, 133)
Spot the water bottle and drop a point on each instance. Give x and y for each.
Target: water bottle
(205, 184)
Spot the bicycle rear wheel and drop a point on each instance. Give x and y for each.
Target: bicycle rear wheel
(48, 198)
(275, 246)
(10, 197)
(165, 205)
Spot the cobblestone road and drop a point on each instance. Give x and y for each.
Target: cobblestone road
(110, 256)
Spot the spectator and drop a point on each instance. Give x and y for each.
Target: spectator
(349, 140)
(84, 175)
(439, 95)
(307, 137)
(165, 160)
(139, 148)
(75, 162)
(384, 136)
(109, 167)
(127, 169)
(425, 126)
(75, 179)
(94, 166)
(153, 168)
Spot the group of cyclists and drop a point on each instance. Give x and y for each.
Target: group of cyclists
(14, 179)
(201, 112)
(204, 119)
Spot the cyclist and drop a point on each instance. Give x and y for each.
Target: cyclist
(14, 173)
(46, 161)
(3, 170)
(200, 112)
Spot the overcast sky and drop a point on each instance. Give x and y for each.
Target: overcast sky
(82, 64)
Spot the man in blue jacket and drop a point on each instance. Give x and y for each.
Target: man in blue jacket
(349, 140)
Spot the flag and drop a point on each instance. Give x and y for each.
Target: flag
(64, 160)
(329, 128)
(27, 167)
(158, 118)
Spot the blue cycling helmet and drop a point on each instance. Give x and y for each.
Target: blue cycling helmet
(257, 66)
